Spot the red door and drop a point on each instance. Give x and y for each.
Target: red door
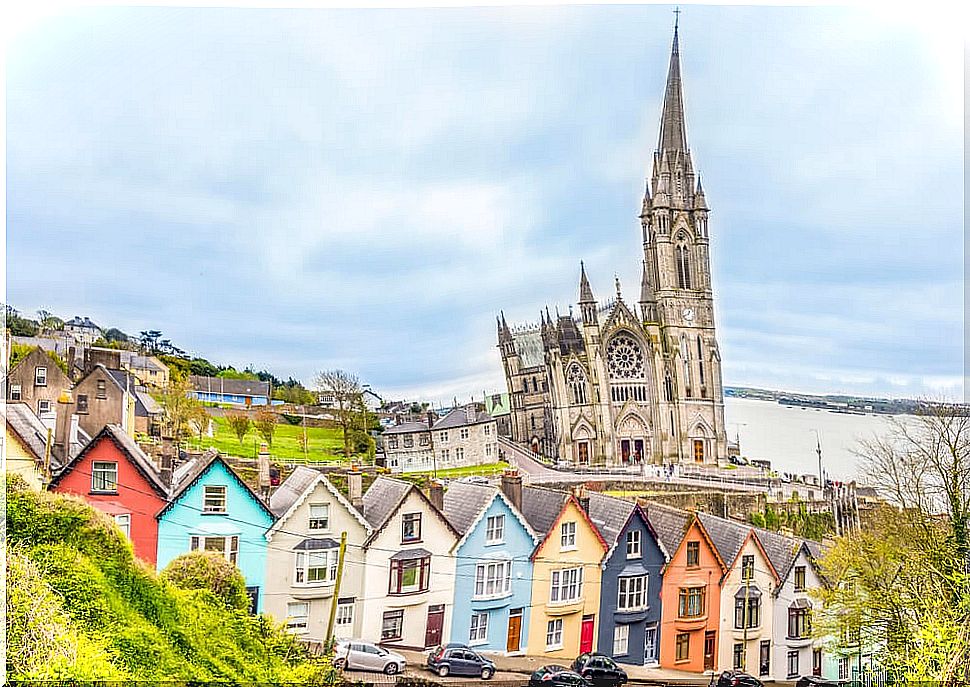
(436, 619)
(586, 635)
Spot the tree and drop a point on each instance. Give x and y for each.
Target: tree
(115, 335)
(200, 418)
(20, 326)
(179, 407)
(265, 424)
(347, 394)
(239, 423)
(49, 322)
(208, 570)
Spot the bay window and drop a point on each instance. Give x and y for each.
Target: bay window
(493, 579)
(409, 575)
(632, 594)
(691, 602)
(566, 585)
(316, 566)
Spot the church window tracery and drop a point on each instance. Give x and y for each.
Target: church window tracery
(624, 357)
(576, 379)
(700, 362)
(682, 256)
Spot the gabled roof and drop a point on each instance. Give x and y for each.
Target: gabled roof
(28, 428)
(459, 418)
(199, 468)
(407, 427)
(637, 512)
(780, 550)
(670, 524)
(119, 377)
(757, 542)
(570, 499)
(726, 536)
(52, 367)
(610, 515)
(142, 463)
(466, 505)
(296, 489)
(236, 387)
(386, 496)
(541, 507)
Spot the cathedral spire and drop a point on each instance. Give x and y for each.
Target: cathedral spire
(673, 133)
(585, 292)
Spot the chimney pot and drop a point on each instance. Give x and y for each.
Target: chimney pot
(436, 493)
(512, 487)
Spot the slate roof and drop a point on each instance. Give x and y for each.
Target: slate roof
(459, 418)
(382, 499)
(541, 507)
(126, 445)
(407, 427)
(609, 514)
(188, 477)
(781, 550)
(236, 387)
(291, 489)
(464, 502)
(670, 524)
(145, 402)
(32, 432)
(726, 535)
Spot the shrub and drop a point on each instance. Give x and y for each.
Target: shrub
(207, 570)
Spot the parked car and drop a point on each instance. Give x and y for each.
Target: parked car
(815, 681)
(557, 676)
(458, 659)
(736, 678)
(599, 669)
(356, 654)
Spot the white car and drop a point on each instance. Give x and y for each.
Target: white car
(356, 654)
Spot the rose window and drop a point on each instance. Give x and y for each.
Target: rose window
(625, 357)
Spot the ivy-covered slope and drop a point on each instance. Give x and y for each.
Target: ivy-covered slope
(80, 605)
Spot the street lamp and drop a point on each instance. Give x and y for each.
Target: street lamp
(818, 450)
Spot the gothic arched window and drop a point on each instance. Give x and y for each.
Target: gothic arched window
(700, 361)
(576, 379)
(624, 357)
(685, 353)
(669, 391)
(682, 257)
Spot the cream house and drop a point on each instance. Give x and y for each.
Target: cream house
(302, 555)
(409, 566)
(796, 651)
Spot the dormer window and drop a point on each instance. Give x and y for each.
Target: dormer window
(567, 538)
(40, 376)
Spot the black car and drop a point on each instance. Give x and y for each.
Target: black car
(599, 669)
(458, 659)
(557, 676)
(815, 681)
(735, 678)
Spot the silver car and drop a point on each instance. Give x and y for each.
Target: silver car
(356, 654)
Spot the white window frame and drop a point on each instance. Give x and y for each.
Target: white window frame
(495, 529)
(40, 375)
(295, 622)
(493, 579)
(107, 484)
(16, 392)
(633, 549)
(621, 640)
(567, 536)
(307, 562)
(123, 520)
(554, 634)
(313, 522)
(478, 630)
(210, 493)
(43, 406)
(566, 585)
(459, 453)
(345, 613)
(230, 545)
(631, 593)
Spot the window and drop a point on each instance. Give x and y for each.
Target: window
(40, 376)
(444, 454)
(738, 655)
(764, 662)
(843, 667)
(214, 499)
(296, 616)
(621, 640)
(493, 579)
(799, 623)
(624, 357)
(43, 406)
(392, 442)
(316, 567)
(104, 476)
(408, 441)
(319, 516)
(568, 536)
(411, 527)
(633, 544)
(693, 554)
(566, 585)
(691, 602)
(488, 430)
(15, 393)
(747, 567)
(409, 576)
(463, 433)
(102, 389)
(792, 664)
(82, 403)
(683, 266)
(554, 634)
(799, 578)
(632, 595)
(816, 661)
(683, 646)
(488, 449)
(443, 437)
(752, 617)
(123, 520)
(459, 453)
(479, 629)
(424, 440)
(650, 644)
(392, 625)
(495, 529)
(576, 380)
(345, 612)
(227, 546)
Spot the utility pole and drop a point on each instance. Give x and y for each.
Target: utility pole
(336, 588)
(744, 614)
(434, 456)
(47, 455)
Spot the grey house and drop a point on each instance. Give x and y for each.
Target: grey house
(629, 628)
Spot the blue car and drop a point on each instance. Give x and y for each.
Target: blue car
(458, 659)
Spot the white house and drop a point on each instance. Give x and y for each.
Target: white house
(797, 652)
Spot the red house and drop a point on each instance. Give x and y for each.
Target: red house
(115, 476)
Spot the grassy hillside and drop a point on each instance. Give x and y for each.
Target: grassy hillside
(323, 443)
(80, 605)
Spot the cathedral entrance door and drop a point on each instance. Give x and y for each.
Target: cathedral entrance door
(638, 450)
(582, 453)
(625, 450)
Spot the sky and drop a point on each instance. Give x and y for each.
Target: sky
(300, 190)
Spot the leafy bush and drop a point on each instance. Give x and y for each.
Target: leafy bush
(207, 570)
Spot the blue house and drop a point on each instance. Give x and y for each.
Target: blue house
(493, 573)
(237, 392)
(629, 628)
(213, 509)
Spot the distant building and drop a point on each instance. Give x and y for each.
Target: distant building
(37, 381)
(371, 400)
(237, 392)
(463, 437)
(26, 446)
(499, 406)
(83, 330)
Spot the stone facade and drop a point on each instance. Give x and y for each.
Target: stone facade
(462, 438)
(621, 384)
(37, 381)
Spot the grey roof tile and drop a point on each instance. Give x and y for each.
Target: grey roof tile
(459, 418)
(541, 507)
(464, 502)
(609, 514)
(728, 536)
(407, 427)
(781, 550)
(27, 426)
(670, 524)
(291, 489)
(383, 498)
(236, 387)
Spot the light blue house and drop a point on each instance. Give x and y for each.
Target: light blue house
(493, 572)
(213, 509)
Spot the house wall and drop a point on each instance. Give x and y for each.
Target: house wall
(763, 581)
(551, 556)
(676, 575)
(135, 495)
(650, 561)
(234, 399)
(244, 518)
(19, 461)
(782, 644)
(413, 458)
(117, 406)
(516, 547)
(23, 374)
(281, 562)
(436, 537)
(481, 446)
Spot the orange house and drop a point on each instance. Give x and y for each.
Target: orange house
(691, 602)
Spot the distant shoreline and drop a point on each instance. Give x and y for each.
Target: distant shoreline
(836, 403)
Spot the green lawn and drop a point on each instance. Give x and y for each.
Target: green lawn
(323, 444)
(487, 470)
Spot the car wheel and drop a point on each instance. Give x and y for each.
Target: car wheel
(390, 669)
(442, 671)
(486, 673)
(339, 664)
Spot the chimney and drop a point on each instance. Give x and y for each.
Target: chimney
(63, 425)
(512, 487)
(470, 413)
(436, 493)
(71, 358)
(165, 462)
(581, 494)
(355, 488)
(262, 463)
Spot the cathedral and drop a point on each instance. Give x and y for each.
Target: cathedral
(627, 383)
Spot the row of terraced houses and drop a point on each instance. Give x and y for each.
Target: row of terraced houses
(506, 568)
